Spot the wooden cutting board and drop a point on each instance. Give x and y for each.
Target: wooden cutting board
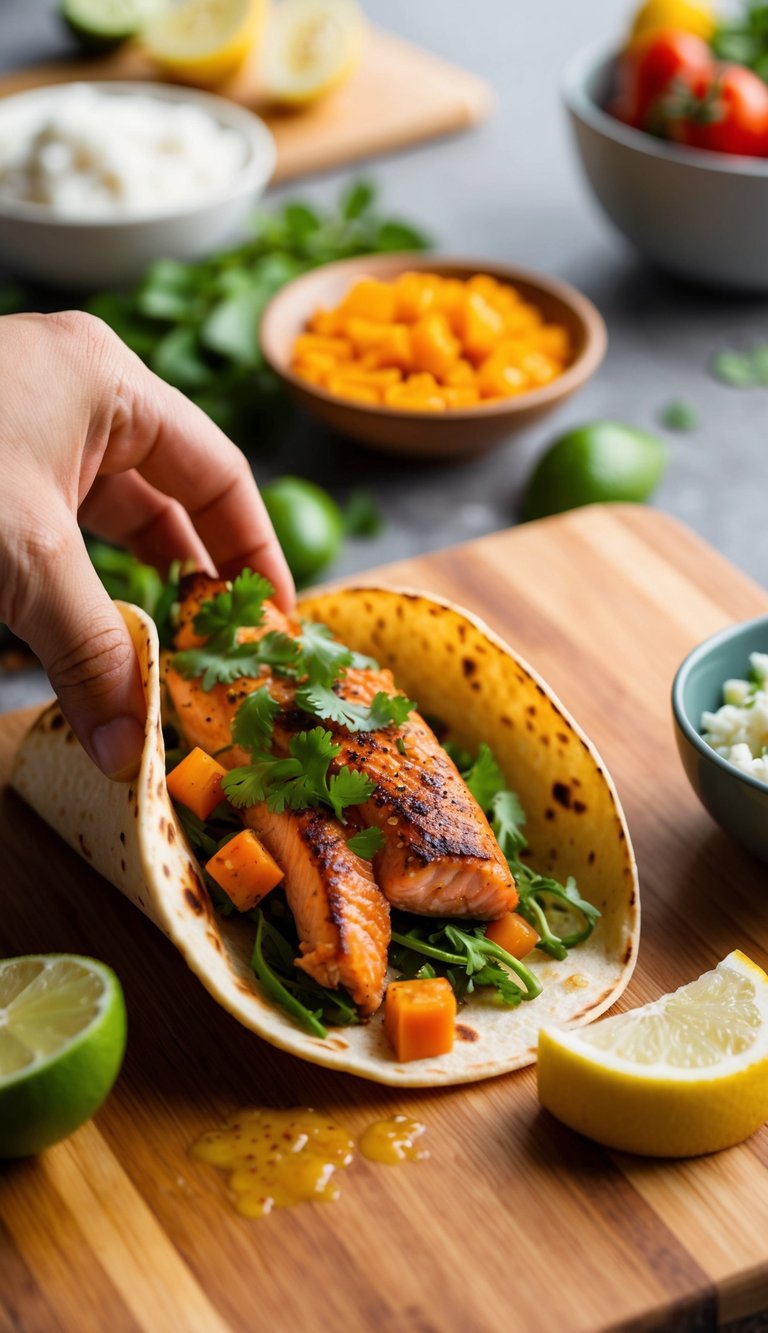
(514, 1223)
(399, 95)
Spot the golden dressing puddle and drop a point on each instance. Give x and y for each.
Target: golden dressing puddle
(276, 1159)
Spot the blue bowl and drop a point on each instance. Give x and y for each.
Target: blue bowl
(738, 802)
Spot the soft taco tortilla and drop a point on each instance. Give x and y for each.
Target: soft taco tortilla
(458, 671)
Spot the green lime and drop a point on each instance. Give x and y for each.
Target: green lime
(62, 1038)
(308, 523)
(592, 464)
(102, 25)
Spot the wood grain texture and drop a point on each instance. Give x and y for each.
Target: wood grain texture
(514, 1222)
(399, 95)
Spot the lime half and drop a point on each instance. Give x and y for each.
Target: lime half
(62, 1038)
(103, 24)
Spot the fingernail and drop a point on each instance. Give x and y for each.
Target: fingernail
(116, 746)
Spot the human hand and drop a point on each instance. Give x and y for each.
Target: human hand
(87, 429)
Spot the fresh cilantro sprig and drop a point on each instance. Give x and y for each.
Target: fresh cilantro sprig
(242, 603)
(222, 660)
(385, 710)
(299, 781)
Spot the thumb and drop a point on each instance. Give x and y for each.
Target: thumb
(83, 643)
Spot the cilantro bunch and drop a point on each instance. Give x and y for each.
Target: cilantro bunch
(197, 324)
(316, 662)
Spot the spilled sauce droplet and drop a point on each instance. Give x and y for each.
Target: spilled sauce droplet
(276, 1159)
(392, 1141)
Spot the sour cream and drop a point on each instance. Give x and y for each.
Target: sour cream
(85, 154)
(738, 731)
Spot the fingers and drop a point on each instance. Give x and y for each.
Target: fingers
(82, 641)
(180, 452)
(125, 509)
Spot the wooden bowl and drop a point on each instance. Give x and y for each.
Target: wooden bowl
(457, 431)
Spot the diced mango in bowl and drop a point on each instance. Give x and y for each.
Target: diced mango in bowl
(425, 343)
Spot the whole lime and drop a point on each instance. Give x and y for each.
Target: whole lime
(593, 464)
(103, 25)
(308, 523)
(62, 1040)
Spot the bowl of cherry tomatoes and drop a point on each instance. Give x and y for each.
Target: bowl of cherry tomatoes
(673, 138)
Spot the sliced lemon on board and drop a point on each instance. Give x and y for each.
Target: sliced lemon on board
(203, 42)
(310, 48)
(683, 1075)
(62, 1039)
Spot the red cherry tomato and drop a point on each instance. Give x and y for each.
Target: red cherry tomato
(650, 70)
(731, 116)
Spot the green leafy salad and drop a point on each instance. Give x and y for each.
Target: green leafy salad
(305, 775)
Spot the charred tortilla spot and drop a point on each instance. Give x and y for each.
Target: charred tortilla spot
(591, 862)
(466, 1033)
(214, 940)
(549, 813)
(122, 838)
(86, 851)
(462, 633)
(476, 686)
(166, 871)
(171, 834)
(194, 901)
(506, 721)
(632, 895)
(627, 953)
(468, 666)
(122, 864)
(561, 793)
(563, 737)
(579, 807)
(57, 721)
(531, 710)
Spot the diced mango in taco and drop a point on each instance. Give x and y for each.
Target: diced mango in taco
(244, 869)
(196, 783)
(514, 934)
(420, 1018)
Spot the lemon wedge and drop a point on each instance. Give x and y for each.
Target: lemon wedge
(683, 1075)
(203, 42)
(311, 47)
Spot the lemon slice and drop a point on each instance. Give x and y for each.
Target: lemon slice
(203, 42)
(685, 1074)
(62, 1038)
(311, 47)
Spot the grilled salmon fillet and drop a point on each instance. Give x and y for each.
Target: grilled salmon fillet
(440, 857)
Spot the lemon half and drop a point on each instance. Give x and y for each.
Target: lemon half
(62, 1039)
(203, 42)
(683, 1075)
(310, 48)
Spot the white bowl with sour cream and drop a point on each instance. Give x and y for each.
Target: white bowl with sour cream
(97, 180)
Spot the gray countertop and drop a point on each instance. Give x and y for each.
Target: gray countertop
(512, 190)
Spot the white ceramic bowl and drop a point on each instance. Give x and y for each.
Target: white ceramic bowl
(109, 252)
(698, 214)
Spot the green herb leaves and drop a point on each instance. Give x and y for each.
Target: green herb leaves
(241, 604)
(299, 781)
(366, 843)
(742, 370)
(385, 710)
(222, 659)
(197, 325)
(465, 957)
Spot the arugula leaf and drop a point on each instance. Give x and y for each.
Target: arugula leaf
(473, 959)
(366, 843)
(255, 721)
(238, 606)
(277, 989)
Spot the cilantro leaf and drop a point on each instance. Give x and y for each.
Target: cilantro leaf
(385, 710)
(323, 659)
(220, 664)
(348, 787)
(485, 779)
(255, 721)
(253, 782)
(241, 604)
(366, 843)
(507, 821)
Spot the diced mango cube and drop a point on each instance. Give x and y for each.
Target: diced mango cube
(434, 347)
(464, 395)
(498, 377)
(415, 295)
(481, 327)
(340, 349)
(369, 299)
(359, 393)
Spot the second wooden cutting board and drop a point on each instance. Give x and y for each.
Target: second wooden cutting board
(514, 1223)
